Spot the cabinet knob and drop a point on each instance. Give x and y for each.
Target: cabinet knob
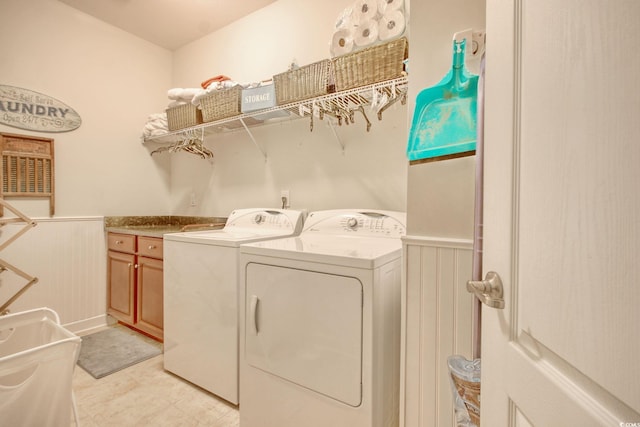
(118, 242)
(152, 246)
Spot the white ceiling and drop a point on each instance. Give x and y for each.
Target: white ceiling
(168, 23)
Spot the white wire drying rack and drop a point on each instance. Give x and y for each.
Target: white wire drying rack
(341, 107)
(4, 265)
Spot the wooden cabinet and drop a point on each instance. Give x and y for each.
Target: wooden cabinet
(135, 283)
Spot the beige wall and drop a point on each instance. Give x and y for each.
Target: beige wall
(113, 80)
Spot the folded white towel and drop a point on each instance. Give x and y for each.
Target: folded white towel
(147, 132)
(177, 103)
(157, 117)
(174, 93)
(156, 125)
(180, 94)
(189, 93)
(196, 99)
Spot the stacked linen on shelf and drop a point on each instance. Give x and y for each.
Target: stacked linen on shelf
(180, 96)
(366, 23)
(156, 125)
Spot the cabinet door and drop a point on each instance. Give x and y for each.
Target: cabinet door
(150, 291)
(121, 286)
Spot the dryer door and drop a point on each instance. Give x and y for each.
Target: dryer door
(306, 327)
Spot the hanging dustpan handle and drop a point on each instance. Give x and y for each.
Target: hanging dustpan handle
(475, 42)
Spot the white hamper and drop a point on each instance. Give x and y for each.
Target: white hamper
(37, 358)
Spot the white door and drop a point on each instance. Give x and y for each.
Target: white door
(562, 213)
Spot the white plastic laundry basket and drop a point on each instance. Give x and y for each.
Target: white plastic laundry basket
(37, 358)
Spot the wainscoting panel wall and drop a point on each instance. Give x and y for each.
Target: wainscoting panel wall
(68, 256)
(437, 323)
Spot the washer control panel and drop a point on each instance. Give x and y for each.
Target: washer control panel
(365, 223)
(264, 218)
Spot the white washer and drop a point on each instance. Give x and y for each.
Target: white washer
(320, 323)
(201, 296)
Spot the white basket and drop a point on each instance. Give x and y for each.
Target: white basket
(37, 358)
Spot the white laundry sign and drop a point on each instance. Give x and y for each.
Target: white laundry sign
(30, 110)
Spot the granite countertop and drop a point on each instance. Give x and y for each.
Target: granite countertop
(157, 226)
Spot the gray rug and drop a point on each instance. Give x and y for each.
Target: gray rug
(114, 349)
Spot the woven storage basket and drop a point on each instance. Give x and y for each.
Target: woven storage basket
(371, 65)
(183, 116)
(221, 104)
(303, 83)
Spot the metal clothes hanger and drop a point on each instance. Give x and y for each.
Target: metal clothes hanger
(192, 143)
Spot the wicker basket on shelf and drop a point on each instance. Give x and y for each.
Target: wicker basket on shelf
(221, 104)
(371, 65)
(183, 116)
(303, 83)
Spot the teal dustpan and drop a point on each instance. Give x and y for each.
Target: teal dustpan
(444, 121)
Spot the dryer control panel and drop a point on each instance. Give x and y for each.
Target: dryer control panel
(373, 223)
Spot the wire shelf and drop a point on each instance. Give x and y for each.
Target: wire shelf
(331, 104)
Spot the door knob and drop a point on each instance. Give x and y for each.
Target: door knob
(489, 290)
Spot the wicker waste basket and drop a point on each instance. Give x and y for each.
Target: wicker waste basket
(465, 381)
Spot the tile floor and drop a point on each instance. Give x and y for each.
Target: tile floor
(147, 395)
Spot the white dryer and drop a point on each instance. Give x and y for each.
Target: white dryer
(320, 323)
(201, 296)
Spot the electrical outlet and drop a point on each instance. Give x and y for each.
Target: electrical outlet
(285, 200)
